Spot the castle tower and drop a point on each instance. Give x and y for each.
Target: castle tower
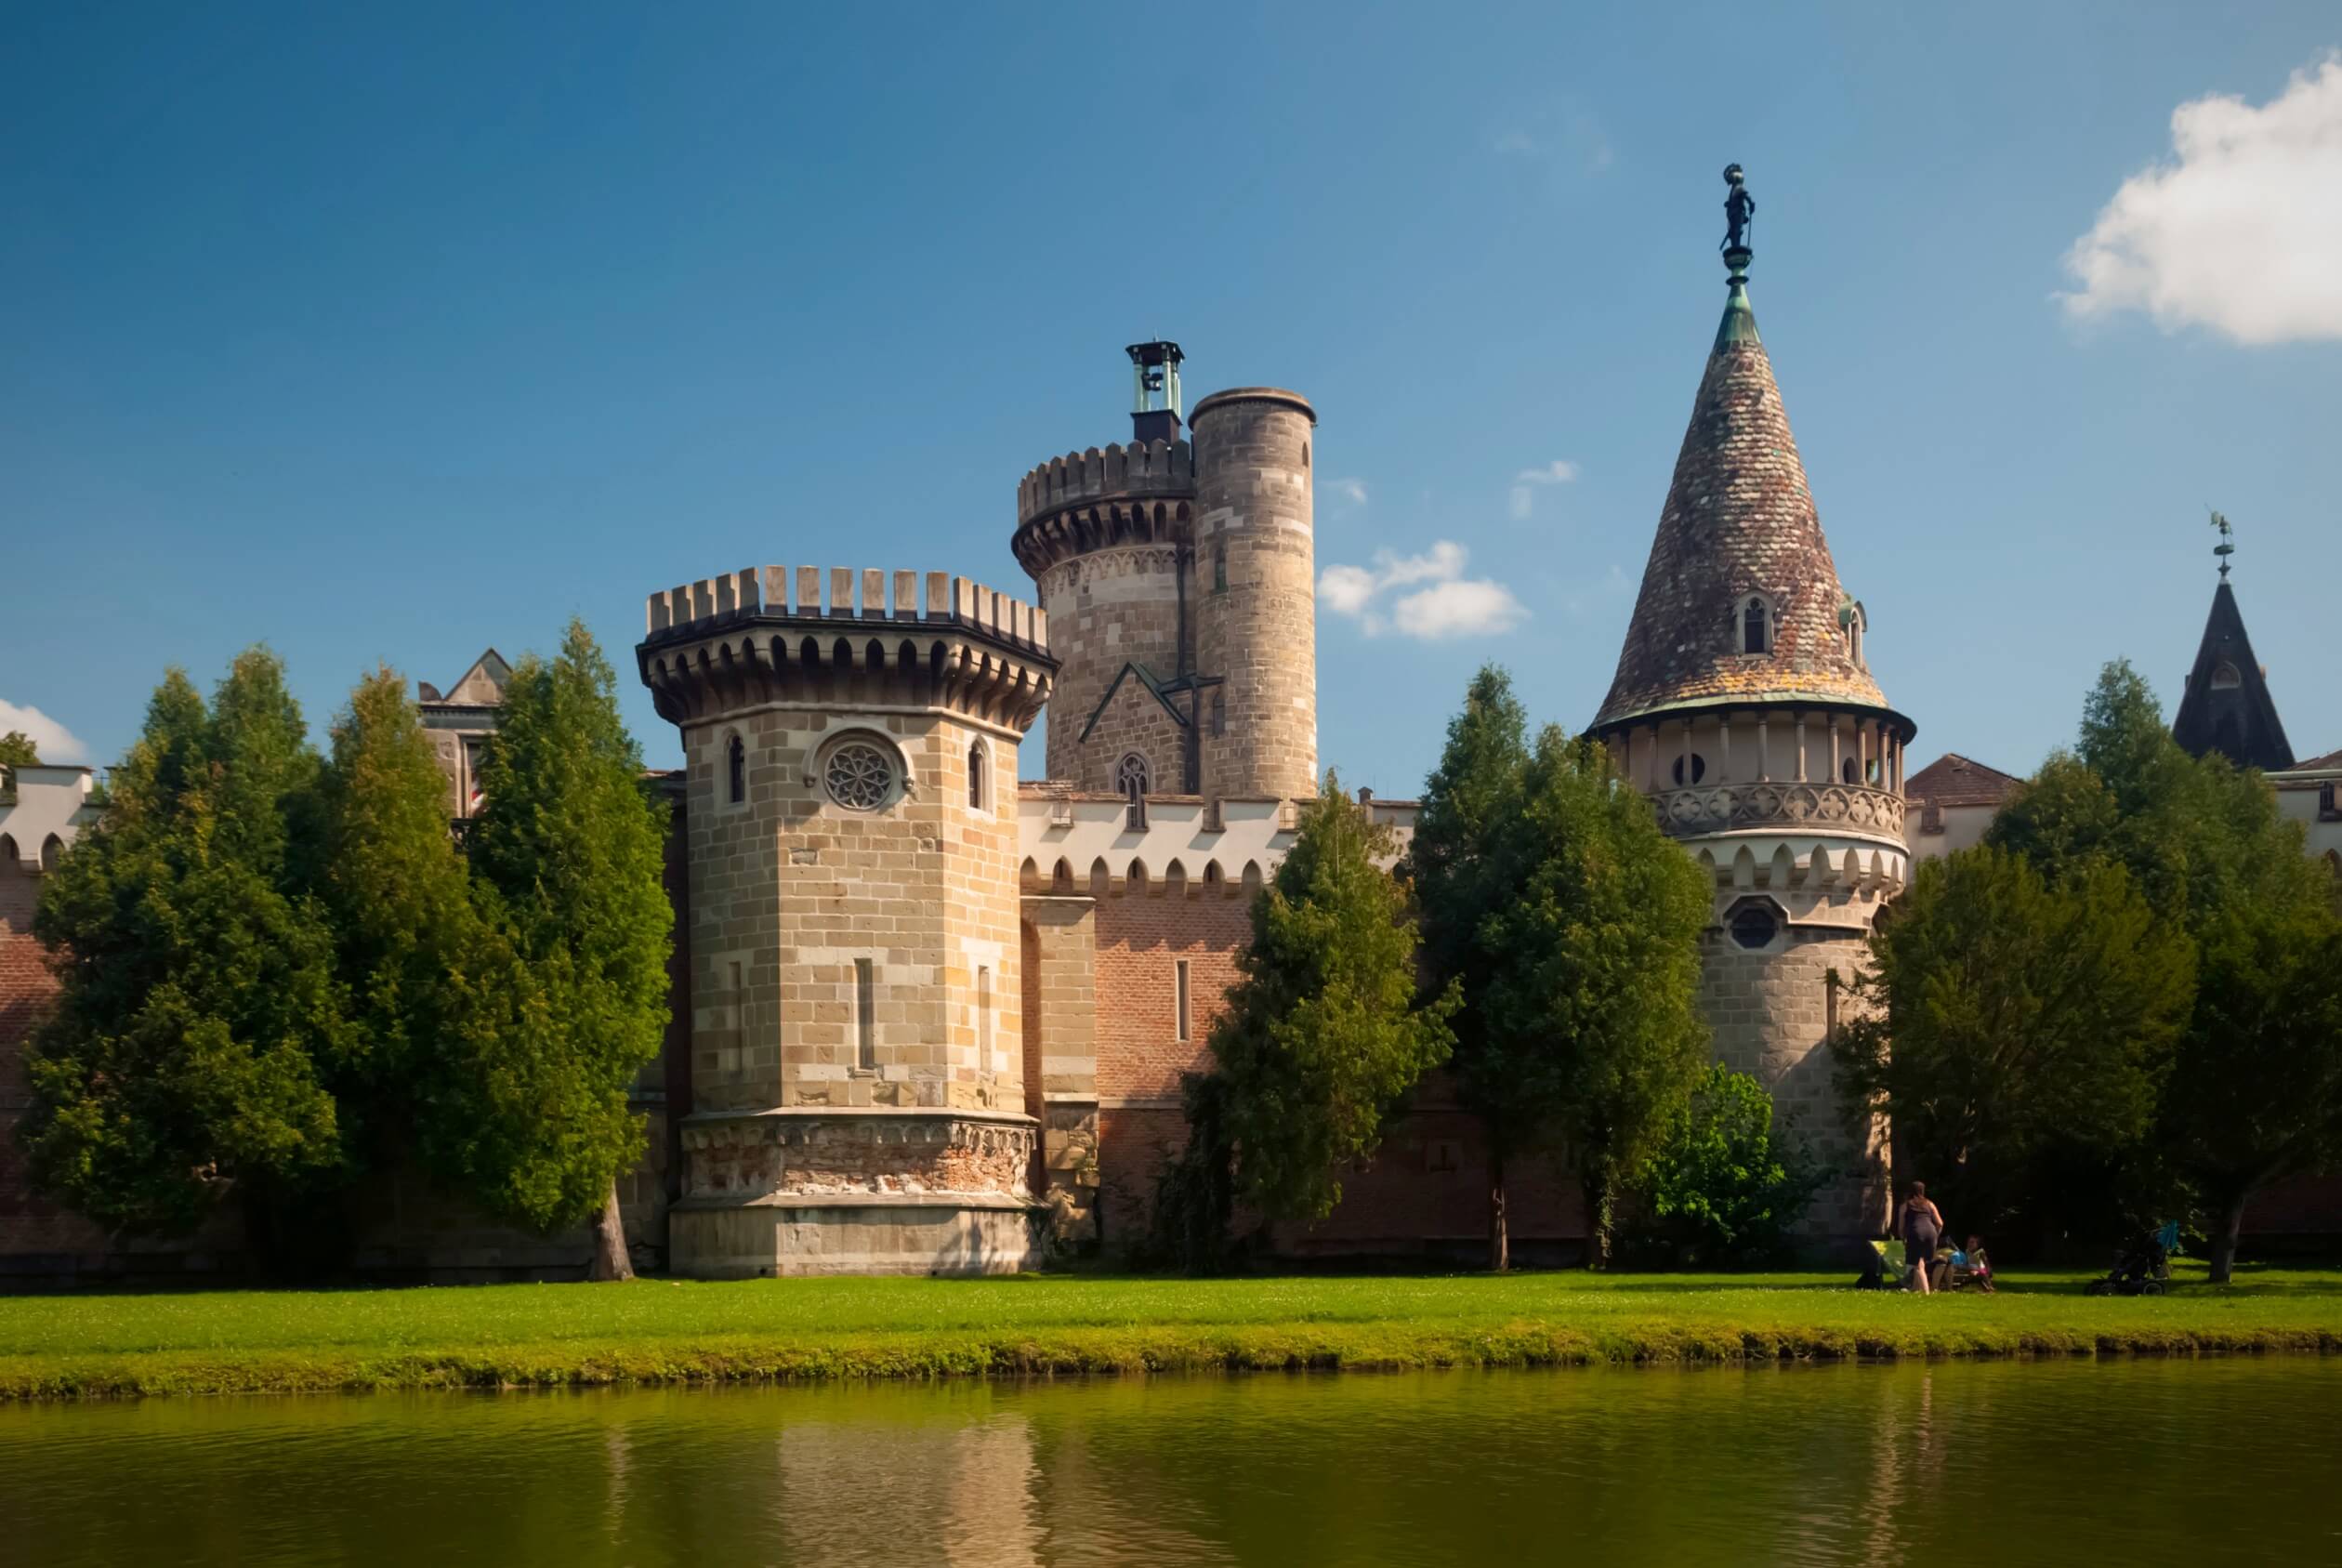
(1257, 604)
(2227, 707)
(1178, 585)
(857, 1087)
(1745, 707)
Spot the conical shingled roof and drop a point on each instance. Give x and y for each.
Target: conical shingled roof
(1739, 520)
(2227, 707)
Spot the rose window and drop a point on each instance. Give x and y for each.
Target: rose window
(860, 776)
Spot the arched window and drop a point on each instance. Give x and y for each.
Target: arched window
(1847, 770)
(979, 771)
(1131, 777)
(735, 771)
(1854, 636)
(2225, 678)
(1755, 628)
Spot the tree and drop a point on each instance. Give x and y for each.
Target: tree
(1594, 1036)
(17, 750)
(1722, 1185)
(1458, 865)
(2029, 1022)
(199, 1009)
(396, 888)
(1321, 1037)
(563, 997)
(2253, 1094)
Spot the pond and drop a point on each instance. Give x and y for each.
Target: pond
(2224, 1460)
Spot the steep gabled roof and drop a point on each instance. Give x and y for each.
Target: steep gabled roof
(2227, 707)
(1953, 780)
(1739, 518)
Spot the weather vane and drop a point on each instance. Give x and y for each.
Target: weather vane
(1739, 210)
(2227, 547)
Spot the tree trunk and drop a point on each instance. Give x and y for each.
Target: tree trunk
(1594, 1184)
(2224, 1238)
(1499, 1244)
(611, 1261)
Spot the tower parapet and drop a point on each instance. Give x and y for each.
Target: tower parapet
(1106, 495)
(851, 804)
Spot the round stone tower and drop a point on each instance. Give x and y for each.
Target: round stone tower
(857, 1095)
(1256, 593)
(1744, 707)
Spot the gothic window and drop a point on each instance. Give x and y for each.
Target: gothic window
(979, 771)
(735, 771)
(859, 775)
(1692, 775)
(1755, 628)
(1854, 629)
(1131, 778)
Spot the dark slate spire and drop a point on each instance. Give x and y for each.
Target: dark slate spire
(1738, 523)
(2227, 707)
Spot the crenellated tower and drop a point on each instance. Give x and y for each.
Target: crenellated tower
(1179, 581)
(1744, 707)
(856, 1033)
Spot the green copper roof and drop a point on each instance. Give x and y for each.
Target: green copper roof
(1740, 321)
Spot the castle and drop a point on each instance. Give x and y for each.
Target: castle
(928, 1019)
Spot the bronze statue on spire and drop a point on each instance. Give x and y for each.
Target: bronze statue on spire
(1739, 208)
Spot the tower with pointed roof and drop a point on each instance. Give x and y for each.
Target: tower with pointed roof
(2227, 707)
(1745, 707)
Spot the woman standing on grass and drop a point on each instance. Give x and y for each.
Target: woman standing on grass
(1921, 1222)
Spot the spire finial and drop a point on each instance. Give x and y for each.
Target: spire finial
(1739, 213)
(2227, 547)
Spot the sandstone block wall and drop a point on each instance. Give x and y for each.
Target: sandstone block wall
(1253, 522)
(788, 890)
(1106, 609)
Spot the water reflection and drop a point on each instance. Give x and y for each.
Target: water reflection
(2011, 1464)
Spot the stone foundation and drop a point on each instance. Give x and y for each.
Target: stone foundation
(883, 1190)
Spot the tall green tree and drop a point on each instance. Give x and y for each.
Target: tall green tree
(1460, 866)
(398, 894)
(17, 750)
(563, 997)
(2253, 1095)
(1323, 1036)
(1594, 1036)
(2025, 1027)
(201, 1010)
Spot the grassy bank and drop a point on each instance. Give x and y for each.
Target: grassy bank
(664, 1331)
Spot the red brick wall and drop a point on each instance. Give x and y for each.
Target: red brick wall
(1141, 936)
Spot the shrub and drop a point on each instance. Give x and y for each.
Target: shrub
(1725, 1187)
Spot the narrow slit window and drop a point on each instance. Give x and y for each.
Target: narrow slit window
(865, 1022)
(983, 1017)
(976, 771)
(1180, 986)
(1219, 566)
(735, 771)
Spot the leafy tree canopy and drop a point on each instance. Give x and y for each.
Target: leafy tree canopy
(1723, 1186)
(1321, 1037)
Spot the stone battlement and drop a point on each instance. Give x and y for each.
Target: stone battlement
(764, 594)
(1149, 468)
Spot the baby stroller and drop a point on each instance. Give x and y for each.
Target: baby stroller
(2144, 1267)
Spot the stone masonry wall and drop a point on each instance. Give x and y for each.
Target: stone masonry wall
(1252, 523)
(788, 890)
(1134, 721)
(1106, 609)
(1769, 1011)
(1061, 978)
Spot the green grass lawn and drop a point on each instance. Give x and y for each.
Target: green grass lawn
(658, 1330)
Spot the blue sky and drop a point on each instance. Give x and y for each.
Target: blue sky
(395, 335)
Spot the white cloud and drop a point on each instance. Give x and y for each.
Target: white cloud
(1451, 605)
(1351, 489)
(56, 743)
(1458, 609)
(2241, 232)
(1573, 136)
(1525, 484)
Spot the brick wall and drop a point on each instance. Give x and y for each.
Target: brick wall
(1142, 935)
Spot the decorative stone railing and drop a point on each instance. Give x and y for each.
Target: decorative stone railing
(1812, 807)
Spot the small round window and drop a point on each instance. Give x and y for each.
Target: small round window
(1697, 771)
(859, 776)
(1754, 925)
